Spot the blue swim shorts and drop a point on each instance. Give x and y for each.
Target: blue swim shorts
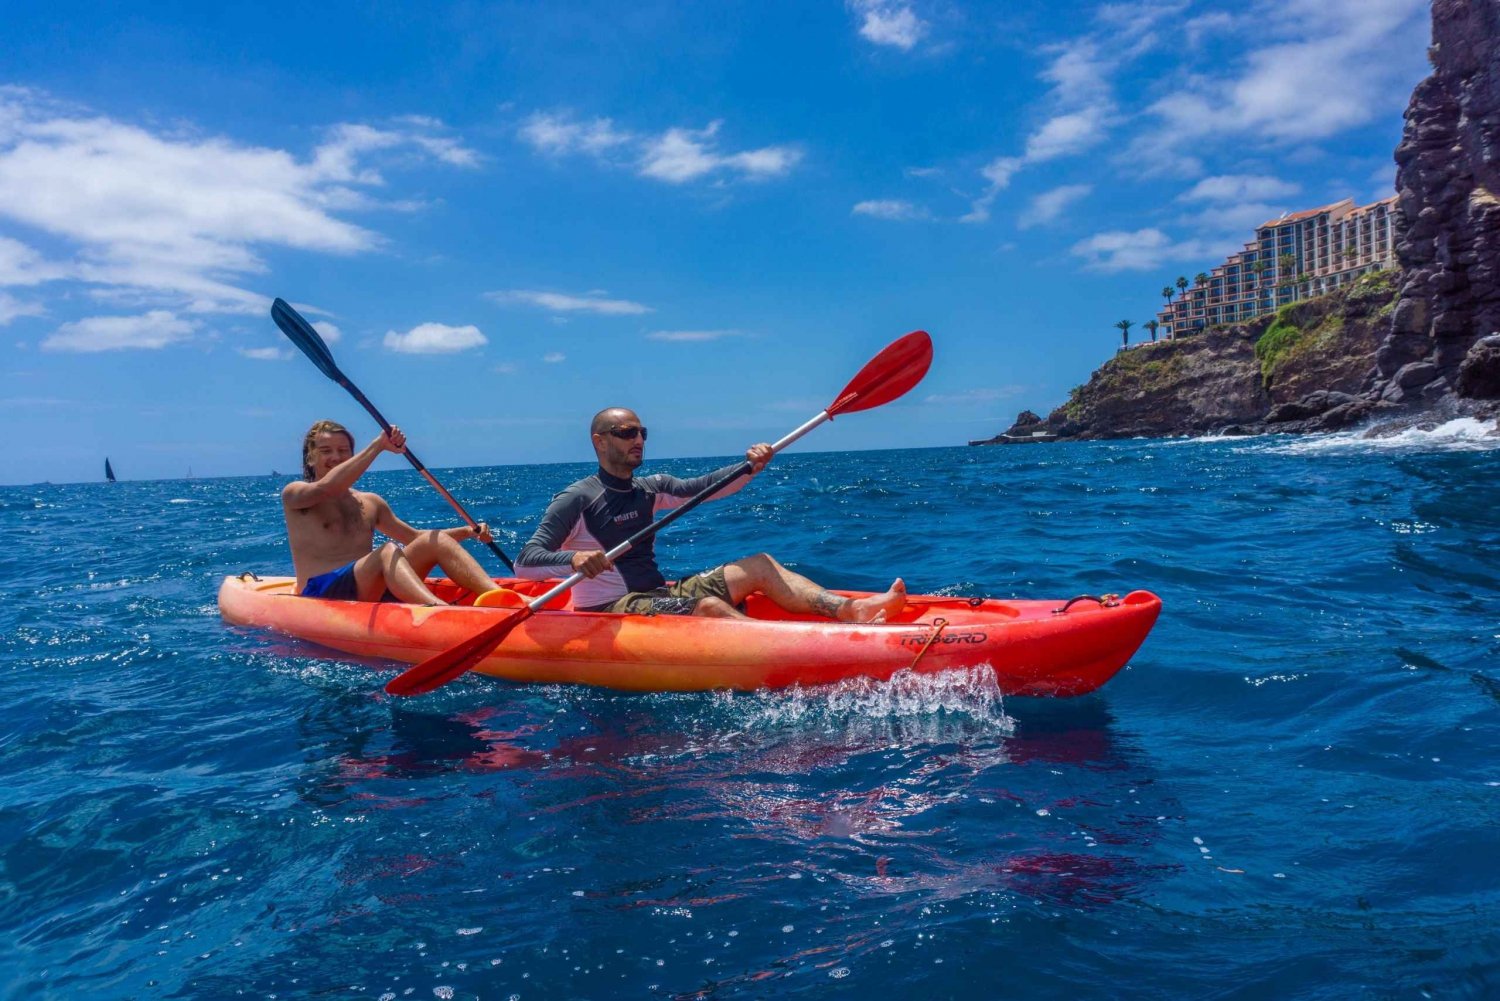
(335, 585)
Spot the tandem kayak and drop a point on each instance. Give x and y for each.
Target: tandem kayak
(1050, 648)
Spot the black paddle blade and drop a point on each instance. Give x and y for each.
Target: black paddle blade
(888, 375)
(439, 669)
(302, 334)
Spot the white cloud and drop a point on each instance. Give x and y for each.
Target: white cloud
(1131, 20)
(676, 156)
(22, 265)
(560, 302)
(1232, 218)
(1326, 66)
(156, 329)
(1065, 135)
(435, 339)
(1216, 23)
(889, 22)
(680, 155)
(559, 135)
(890, 208)
(181, 218)
(998, 173)
(1239, 188)
(1236, 203)
(11, 307)
(265, 354)
(691, 335)
(1048, 205)
(1080, 73)
(554, 357)
(505, 368)
(1145, 249)
(328, 331)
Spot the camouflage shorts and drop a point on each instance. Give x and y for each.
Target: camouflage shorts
(674, 599)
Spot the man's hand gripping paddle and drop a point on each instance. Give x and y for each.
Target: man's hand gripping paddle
(888, 375)
(301, 333)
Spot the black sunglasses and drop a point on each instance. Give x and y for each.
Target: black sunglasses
(628, 434)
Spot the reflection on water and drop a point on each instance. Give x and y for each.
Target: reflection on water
(753, 799)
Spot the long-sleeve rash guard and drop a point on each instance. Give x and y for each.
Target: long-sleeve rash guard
(600, 512)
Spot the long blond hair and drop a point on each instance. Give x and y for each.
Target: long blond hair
(320, 427)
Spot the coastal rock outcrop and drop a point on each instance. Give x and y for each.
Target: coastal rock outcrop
(1448, 180)
(1026, 422)
(1399, 347)
(1300, 369)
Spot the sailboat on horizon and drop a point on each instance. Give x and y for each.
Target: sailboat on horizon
(109, 471)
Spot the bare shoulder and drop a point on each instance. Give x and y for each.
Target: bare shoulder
(299, 494)
(368, 498)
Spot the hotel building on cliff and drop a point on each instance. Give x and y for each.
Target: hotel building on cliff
(1298, 256)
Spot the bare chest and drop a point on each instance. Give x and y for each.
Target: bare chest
(351, 516)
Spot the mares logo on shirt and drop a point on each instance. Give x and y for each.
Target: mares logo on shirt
(627, 516)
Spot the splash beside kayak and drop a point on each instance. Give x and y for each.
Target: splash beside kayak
(1034, 647)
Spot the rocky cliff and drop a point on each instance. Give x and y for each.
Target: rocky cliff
(1297, 369)
(1406, 345)
(1445, 338)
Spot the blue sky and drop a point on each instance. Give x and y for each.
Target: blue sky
(505, 216)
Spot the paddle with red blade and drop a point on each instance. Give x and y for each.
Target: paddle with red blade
(302, 334)
(888, 375)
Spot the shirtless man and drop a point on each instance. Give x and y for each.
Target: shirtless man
(331, 528)
(599, 512)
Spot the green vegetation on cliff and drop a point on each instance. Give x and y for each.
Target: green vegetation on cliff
(1147, 368)
(1235, 375)
(1310, 325)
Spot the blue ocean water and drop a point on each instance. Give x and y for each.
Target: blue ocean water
(1291, 792)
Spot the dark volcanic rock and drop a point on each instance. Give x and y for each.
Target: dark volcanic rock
(1448, 176)
(1026, 422)
(1225, 380)
(1312, 405)
(1479, 375)
(1413, 345)
(1186, 386)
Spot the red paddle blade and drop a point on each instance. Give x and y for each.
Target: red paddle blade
(439, 669)
(888, 375)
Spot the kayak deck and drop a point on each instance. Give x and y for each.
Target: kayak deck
(1049, 648)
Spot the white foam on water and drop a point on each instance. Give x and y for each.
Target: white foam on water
(973, 693)
(1462, 434)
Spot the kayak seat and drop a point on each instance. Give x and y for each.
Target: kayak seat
(500, 597)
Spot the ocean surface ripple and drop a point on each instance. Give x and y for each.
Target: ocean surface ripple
(1292, 791)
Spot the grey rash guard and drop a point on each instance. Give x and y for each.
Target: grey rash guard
(600, 512)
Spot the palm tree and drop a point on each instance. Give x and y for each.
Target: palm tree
(1182, 283)
(1151, 325)
(1124, 328)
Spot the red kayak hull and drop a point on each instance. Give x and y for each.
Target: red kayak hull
(1033, 647)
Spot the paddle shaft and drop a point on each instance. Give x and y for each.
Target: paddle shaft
(894, 371)
(743, 468)
(417, 465)
(302, 334)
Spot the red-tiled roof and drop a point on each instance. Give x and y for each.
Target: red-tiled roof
(1305, 214)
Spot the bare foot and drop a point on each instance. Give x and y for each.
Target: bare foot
(877, 607)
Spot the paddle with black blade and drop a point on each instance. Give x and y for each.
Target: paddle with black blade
(888, 375)
(301, 333)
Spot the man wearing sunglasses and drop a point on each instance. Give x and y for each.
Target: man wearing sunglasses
(600, 511)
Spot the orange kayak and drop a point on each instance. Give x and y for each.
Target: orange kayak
(1053, 648)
